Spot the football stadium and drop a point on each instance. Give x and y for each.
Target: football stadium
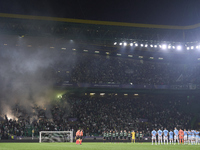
(87, 84)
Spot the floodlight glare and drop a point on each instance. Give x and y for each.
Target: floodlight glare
(136, 44)
(115, 43)
(155, 46)
(188, 48)
(179, 47)
(120, 43)
(125, 43)
(146, 45)
(173, 47)
(141, 45)
(192, 47)
(197, 47)
(151, 45)
(164, 46)
(131, 44)
(169, 46)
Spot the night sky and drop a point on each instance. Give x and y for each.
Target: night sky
(167, 12)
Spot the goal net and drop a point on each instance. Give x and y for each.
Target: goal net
(56, 136)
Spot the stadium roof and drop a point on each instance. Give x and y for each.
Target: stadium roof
(95, 22)
(92, 29)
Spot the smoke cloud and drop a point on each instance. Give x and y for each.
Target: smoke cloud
(27, 76)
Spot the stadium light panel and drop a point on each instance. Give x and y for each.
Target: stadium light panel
(51, 47)
(141, 45)
(85, 50)
(115, 43)
(164, 46)
(91, 94)
(130, 55)
(125, 43)
(120, 43)
(169, 46)
(155, 46)
(119, 54)
(151, 45)
(102, 94)
(136, 94)
(197, 47)
(188, 48)
(74, 49)
(107, 53)
(136, 44)
(131, 44)
(5, 44)
(192, 47)
(173, 47)
(178, 47)
(97, 52)
(63, 48)
(125, 94)
(146, 45)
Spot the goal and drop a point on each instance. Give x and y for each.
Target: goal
(56, 136)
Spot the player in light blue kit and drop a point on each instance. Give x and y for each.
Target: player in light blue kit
(171, 136)
(160, 136)
(192, 137)
(165, 138)
(185, 137)
(175, 136)
(189, 137)
(154, 133)
(197, 137)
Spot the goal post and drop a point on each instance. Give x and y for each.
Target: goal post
(56, 136)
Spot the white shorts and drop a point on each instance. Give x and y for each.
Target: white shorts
(197, 138)
(159, 137)
(193, 138)
(189, 138)
(153, 138)
(185, 137)
(175, 137)
(171, 138)
(165, 137)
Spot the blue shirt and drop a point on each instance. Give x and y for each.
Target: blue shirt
(154, 133)
(171, 135)
(176, 132)
(185, 133)
(165, 132)
(197, 133)
(192, 132)
(189, 134)
(159, 132)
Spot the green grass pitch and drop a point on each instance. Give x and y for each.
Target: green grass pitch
(94, 146)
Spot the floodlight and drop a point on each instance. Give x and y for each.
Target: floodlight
(146, 45)
(188, 48)
(151, 45)
(125, 43)
(120, 43)
(164, 46)
(136, 44)
(155, 46)
(169, 46)
(141, 45)
(115, 43)
(178, 47)
(192, 47)
(131, 44)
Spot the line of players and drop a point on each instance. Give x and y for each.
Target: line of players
(115, 135)
(186, 137)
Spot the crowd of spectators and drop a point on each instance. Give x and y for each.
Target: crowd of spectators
(96, 114)
(97, 69)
